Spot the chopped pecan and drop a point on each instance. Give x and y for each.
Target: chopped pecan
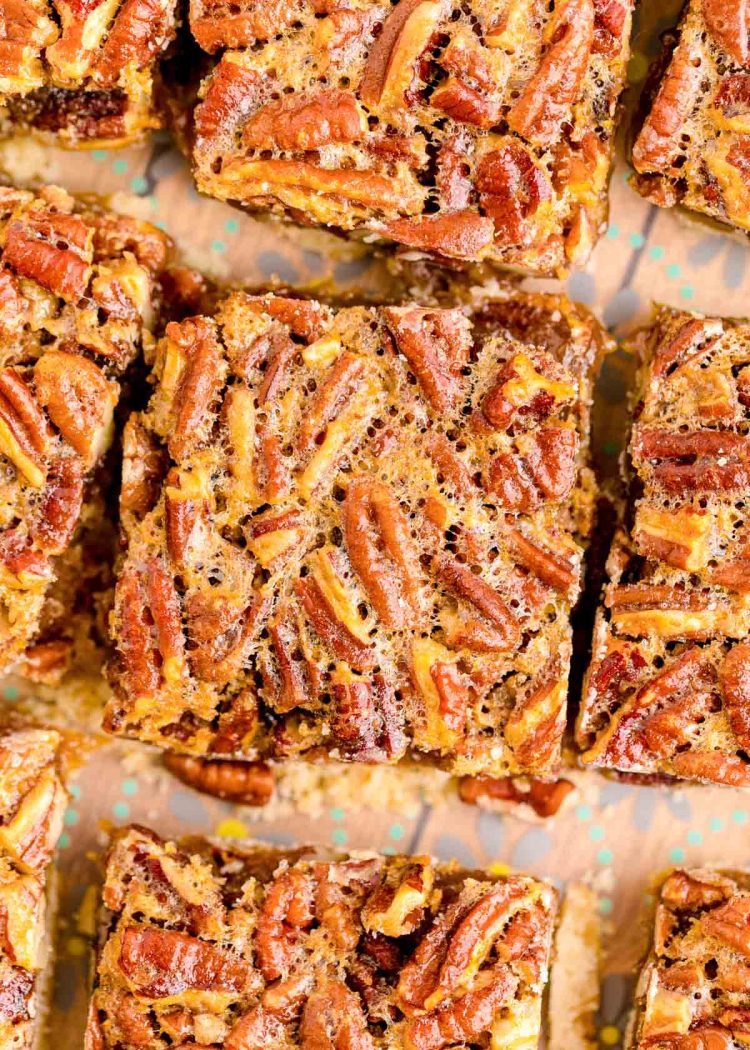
(521, 389)
(543, 469)
(436, 344)
(451, 468)
(163, 963)
(444, 693)
(144, 464)
(296, 678)
(392, 59)
(678, 536)
(683, 889)
(671, 612)
(340, 384)
(691, 340)
(306, 122)
(247, 783)
(273, 537)
(20, 559)
(730, 924)
(341, 889)
(51, 248)
(728, 22)
(658, 141)
(547, 100)
(512, 188)
(24, 432)
(558, 570)
(398, 903)
(152, 643)
(462, 582)
(136, 37)
(47, 662)
(453, 171)
(455, 234)
(382, 551)
(304, 318)
(734, 679)
(185, 503)
(696, 461)
(287, 910)
(79, 401)
(220, 630)
(60, 507)
(465, 104)
(333, 1019)
(200, 381)
(231, 94)
(330, 612)
(712, 767)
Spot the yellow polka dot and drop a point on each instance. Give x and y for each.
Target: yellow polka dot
(77, 946)
(231, 829)
(610, 1035)
(498, 868)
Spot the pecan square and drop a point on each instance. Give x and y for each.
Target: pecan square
(32, 802)
(461, 132)
(83, 73)
(693, 147)
(250, 947)
(668, 689)
(78, 299)
(694, 988)
(363, 537)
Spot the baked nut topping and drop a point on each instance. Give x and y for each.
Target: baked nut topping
(362, 538)
(459, 132)
(83, 73)
(693, 146)
(78, 291)
(668, 689)
(694, 989)
(250, 946)
(32, 803)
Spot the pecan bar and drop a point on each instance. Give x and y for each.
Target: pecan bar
(464, 132)
(669, 686)
(252, 947)
(356, 534)
(32, 803)
(693, 147)
(78, 287)
(82, 73)
(694, 990)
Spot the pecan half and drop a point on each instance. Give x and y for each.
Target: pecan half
(728, 22)
(24, 432)
(658, 143)
(217, 24)
(247, 783)
(456, 234)
(712, 767)
(185, 504)
(734, 679)
(512, 188)
(535, 726)
(152, 643)
(306, 122)
(523, 390)
(333, 1019)
(332, 614)
(691, 340)
(546, 101)
(139, 33)
(436, 344)
(671, 612)
(287, 911)
(368, 719)
(392, 59)
(543, 796)
(730, 924)
(382, 551)
(200, 381)
(341, 382)
(231, 94)
(60, 507)
(462, 582)
(559, 570)
(79, 400)
(465, 1019)
(684, 889)
(696, 461)
(163, 963)
(466, 104)
(51, 248)
(543, 469)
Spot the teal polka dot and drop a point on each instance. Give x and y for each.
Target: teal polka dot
(637, 240)
(75, 791)
(121, 810)
(10, 692)
(687, 291)
(694, 838)
(673, 270)
(339, 836)
(396, 831)
(605, 906)
(218, 246)
(337, 813)
(160, 225)
(138, 184)
(64, 841)
(99, 154)
(613, 231)
(231, 226)
(605, 856)
(739, 816)
(583, 812)
(716, 824)
(71, 817)
(130, 787)
(389, 851)
(656, 252)
(596, 833)
(677, 855)
(119, 167)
